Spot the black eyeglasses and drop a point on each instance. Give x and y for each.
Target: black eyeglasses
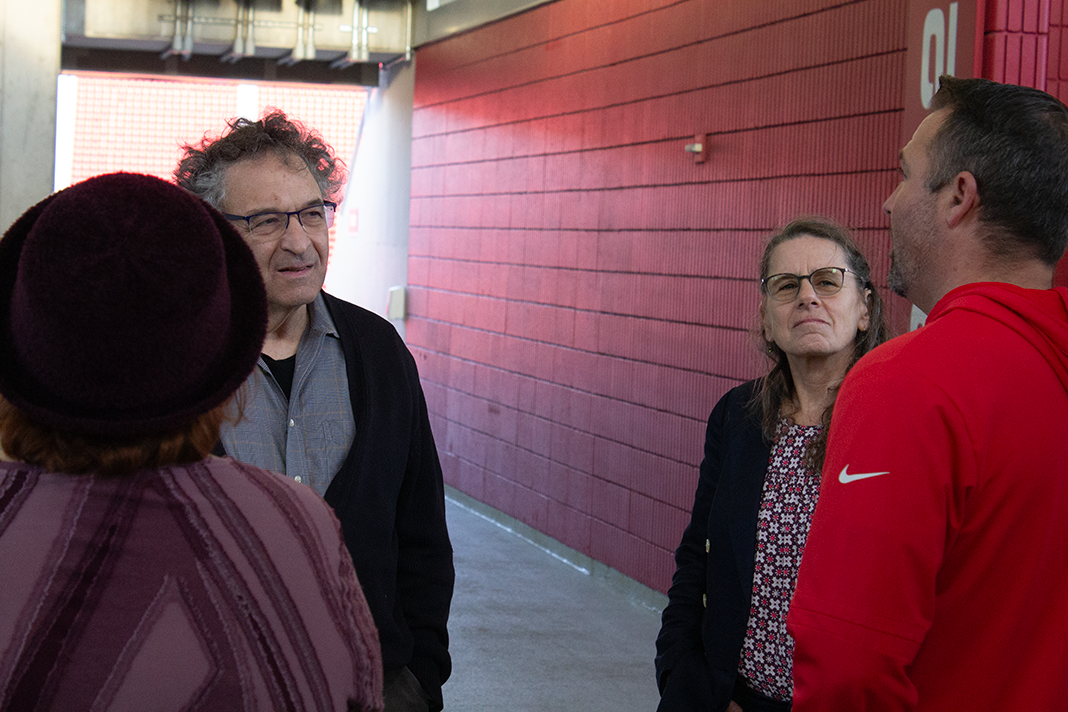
(266, 226)
(825, 282)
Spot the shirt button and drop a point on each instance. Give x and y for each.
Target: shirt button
(292, 423)
(708, 545)
(297, 479)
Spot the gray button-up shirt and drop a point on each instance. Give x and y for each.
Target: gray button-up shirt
(307, 436)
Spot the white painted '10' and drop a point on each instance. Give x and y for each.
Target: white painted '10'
(944, 37)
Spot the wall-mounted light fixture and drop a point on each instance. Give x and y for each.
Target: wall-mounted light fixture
(699, 148)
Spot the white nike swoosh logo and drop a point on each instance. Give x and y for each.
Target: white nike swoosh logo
(845, 478)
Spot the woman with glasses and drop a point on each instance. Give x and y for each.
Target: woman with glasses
(723, 644)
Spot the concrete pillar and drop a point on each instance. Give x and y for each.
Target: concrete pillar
(371, 250)
(30, 44)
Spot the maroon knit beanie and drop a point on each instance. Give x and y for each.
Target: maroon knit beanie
(128, 307)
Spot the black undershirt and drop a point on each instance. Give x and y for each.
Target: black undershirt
(282, 370)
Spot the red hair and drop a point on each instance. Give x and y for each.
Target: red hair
(26, 440)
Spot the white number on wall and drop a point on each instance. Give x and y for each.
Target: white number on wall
(944, 38)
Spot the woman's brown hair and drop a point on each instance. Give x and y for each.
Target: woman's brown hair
(26, 440)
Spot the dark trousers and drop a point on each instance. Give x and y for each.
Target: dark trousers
(403, 693)
(752, 701)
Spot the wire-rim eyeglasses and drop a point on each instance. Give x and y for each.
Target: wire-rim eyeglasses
(825, 282)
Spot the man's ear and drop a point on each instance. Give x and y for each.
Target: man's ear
(961, 198)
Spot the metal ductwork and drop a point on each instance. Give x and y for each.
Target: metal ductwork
(308, 40)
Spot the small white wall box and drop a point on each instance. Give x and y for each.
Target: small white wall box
(397, 306)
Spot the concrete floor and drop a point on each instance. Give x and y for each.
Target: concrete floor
(536, 626)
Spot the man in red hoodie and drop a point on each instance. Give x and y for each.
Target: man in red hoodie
(935, 572)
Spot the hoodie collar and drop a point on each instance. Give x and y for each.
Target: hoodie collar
(1040, 316)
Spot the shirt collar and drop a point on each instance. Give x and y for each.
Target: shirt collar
(319, 320)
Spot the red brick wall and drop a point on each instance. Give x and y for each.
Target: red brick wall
(1057, 64)
(1016, 41)
(581, 290)
(1026, 42)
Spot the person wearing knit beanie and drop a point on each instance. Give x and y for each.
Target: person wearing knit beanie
(140, 571)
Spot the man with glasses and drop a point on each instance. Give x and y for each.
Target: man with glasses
(935, 571)
(336, 401)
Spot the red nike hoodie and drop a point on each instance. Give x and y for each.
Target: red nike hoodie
(935, 576)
